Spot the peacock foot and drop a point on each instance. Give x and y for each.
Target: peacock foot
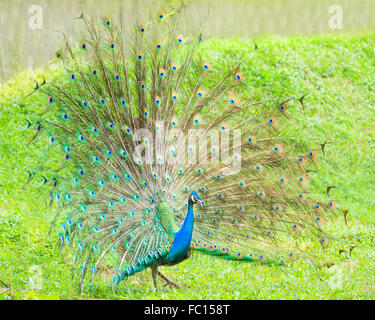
(169, 281)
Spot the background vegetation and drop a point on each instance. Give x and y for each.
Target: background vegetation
(24, 47)
(338, 73)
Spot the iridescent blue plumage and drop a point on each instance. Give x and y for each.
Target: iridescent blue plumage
(182, 237)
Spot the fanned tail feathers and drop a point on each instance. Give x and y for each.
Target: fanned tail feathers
(126, 130)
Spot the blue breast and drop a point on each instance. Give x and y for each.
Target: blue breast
(182, 238)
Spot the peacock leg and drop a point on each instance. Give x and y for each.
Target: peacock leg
(169, 281)
(154, 272)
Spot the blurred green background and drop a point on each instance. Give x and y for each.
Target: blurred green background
(23, 47)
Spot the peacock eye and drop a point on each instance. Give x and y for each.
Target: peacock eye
(194, 198)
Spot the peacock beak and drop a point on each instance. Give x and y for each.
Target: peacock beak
(200, 202)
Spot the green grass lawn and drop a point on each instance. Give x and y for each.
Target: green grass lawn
(338, 72)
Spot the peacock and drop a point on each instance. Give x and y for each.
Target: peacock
(151, 154)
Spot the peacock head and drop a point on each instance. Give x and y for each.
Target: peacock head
(195, 198)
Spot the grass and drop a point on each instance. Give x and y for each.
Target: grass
(336, 71)
(242, 18)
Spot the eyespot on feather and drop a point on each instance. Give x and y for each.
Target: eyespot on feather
(282, 107)
(239, 76)
(271, 121)
(301, 160)
(317, 207)
(311, 154)
(251, 140)
(157, 100)
(301, 196)
(107, 22)
(174, 95)
(200, 93)
(277, 148)
(206, 65)
(161, 15)
(301, 181)
(232, 100)
(180, 38)
(331, 204)
(283, 180)
(161, 73)
(159, 45)
(261, 194)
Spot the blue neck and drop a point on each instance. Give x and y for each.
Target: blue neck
(182, 238)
